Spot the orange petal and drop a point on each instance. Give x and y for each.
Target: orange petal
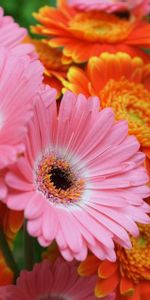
(145, 297)
(105, 287)
(15, 220)
(6, 277)
(147, 160)
(135, 296)
(145, 288)
(89, 266)
(61, 3)
(54, 83)
(77, 76)
(106, 269)
(126, 287)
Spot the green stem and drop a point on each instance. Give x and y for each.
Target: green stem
(28, 250)
(7, 253)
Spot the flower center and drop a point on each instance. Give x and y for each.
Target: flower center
(61, 178)
(135, 263)
(123, 14)
(57, 180)
(130, 101)
(99, 26)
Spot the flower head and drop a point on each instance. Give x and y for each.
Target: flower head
(112, 5)
(52, 281)
(81, 181)
(20, 79)
(87, 33)
(121, 82)
(129, 276)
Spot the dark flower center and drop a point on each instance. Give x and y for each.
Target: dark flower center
(58, 181)
(61, 178)
(124, 14)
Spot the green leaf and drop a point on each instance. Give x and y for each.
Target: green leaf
(21, 10)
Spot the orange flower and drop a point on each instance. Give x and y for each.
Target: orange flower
(121, 82)
(129, 276)
(52, 61)
(10, 222)
(88, 33)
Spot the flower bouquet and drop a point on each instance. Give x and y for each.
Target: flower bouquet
(75, 152)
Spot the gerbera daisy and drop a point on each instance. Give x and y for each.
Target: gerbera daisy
(112, 5)
(81, 181)
(87, 33)
(129, 276)
(121, 82)
(52, 60)
(52, 281)
(19, 82)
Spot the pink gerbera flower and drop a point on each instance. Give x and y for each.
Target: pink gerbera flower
(19, 82)
(52, 281)
(112, 5)
(81, 181)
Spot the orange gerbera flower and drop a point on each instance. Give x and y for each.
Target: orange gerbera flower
(52, 60)
(121, 82)
(88, 33)
(10, 223)
(129, 276)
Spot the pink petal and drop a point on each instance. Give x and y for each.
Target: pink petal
(35, 206)
(17, 183)
(67, 222)
(50, 223)
(18, 201)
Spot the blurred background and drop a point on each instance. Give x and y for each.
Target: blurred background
(21, 10)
